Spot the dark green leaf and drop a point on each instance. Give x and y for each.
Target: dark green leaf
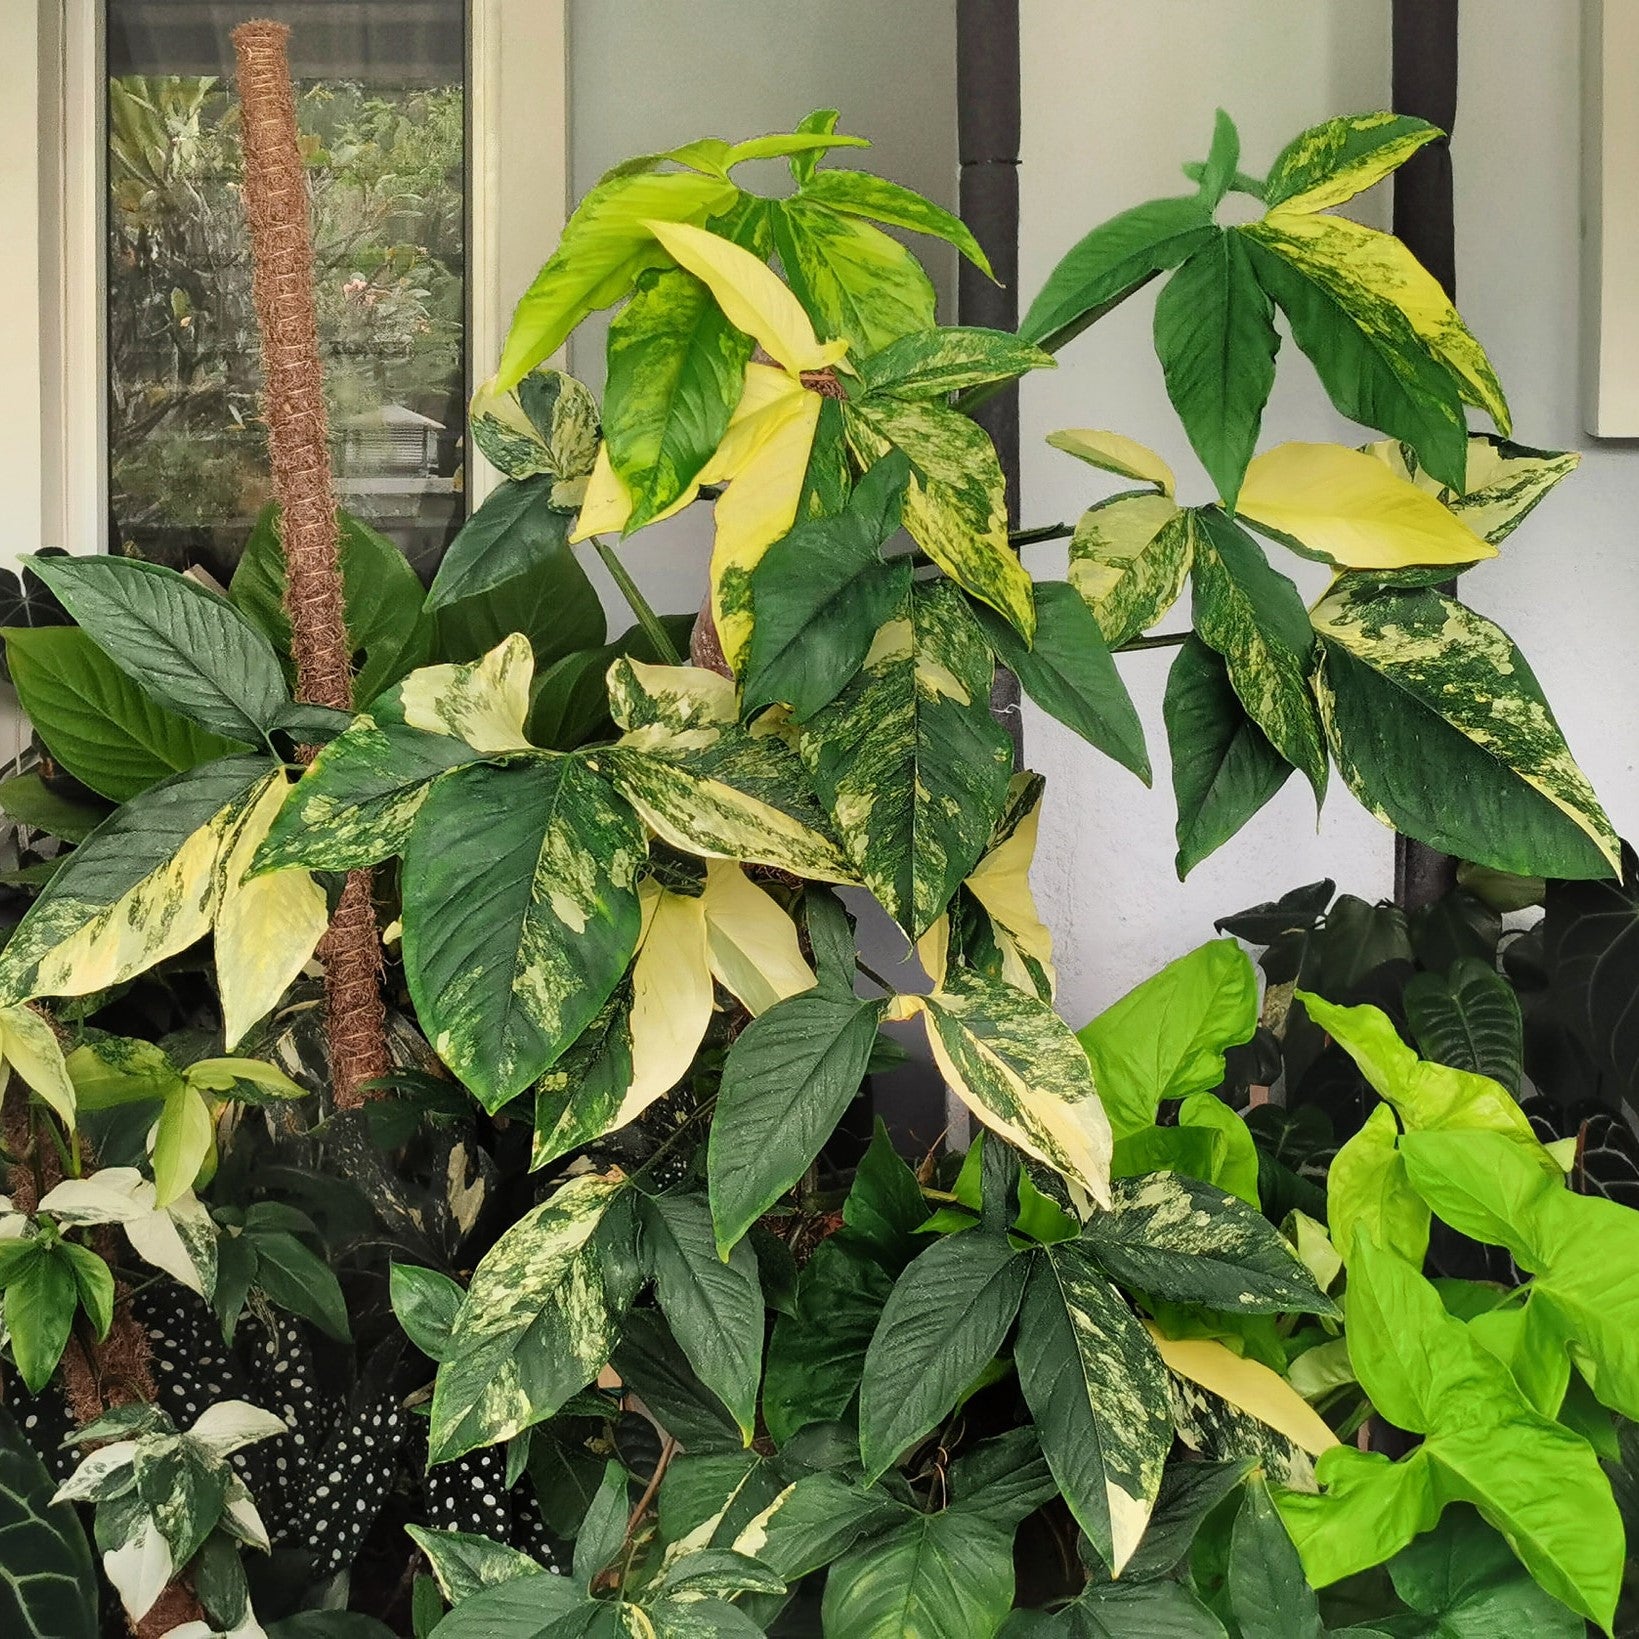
(425, 1302)
(27, 799)
(942, 1325)
(884, 1207)
(1591, 942)
(1268, 1591)
(1113, 261)
(1215, 335)
(789, 1076)
(104, 730)
(39, 1309)
(1470, 1019)
(569, 701)
(1223, 767)
(299, 1280)
(48, 1587)
(1069, 672)
(604, 1529)
(188, 648)
(650, 1361)
(714, 1308)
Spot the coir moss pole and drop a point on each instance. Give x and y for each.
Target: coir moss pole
(1425, 84)
(298, 445)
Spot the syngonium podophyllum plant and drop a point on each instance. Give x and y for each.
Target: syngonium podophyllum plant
(618, 929)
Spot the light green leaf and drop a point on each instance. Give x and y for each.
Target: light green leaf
(1189, 1242)
(1583, 1250)
(1215, 336)
(942, 1325)
(956, 507)
(500, 996)
(859, 193)
(787, 1080)
(188, 648)
(1421, 694)
(1367, 1190)
(852, 278)
(95, 721)
(1339, 158)
(1068, 671)
(1013, 1061)
(1129, 557)
(1252, 615)
(908, 760)
(381, 597)
(29, 1046)
(1097, 1392)
(1166, 1038)
(604, 247)
(1223, 767)
(183, 1138)
(1234, 1152)
(714, 1306)
(143, 887)
(1113, 261)
(932, 363)
(533, 1328)
(41, 1297)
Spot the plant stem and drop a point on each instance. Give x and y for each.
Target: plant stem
(1161, 640)
(638, 604)
(872, 974)
(1042, 532)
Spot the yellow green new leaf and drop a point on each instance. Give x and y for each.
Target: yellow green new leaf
(1367, 1188)
(1115, 452)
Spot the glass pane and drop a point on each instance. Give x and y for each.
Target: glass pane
(380, 88)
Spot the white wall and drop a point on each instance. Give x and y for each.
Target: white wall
(1115, 95)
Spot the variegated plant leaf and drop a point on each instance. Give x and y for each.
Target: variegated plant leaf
(1252, 615)
(1333, 161)
(1504, 481)
(1015, 1063)
(579, 1099)
(357, 799)
(1129, 558)
(932, 363)
(266, 925)
(483, 701)
(551, 854)
(142, 887)
(956, 506)
(29, 1048)
(547, 424)
(705, 784)
(1097, 1393)
(908, 760)
(533, 1328)
(1439, 727)
(1115, 452)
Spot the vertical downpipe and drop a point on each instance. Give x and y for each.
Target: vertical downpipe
(1425, 84)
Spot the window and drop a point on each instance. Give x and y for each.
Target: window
(381, 103)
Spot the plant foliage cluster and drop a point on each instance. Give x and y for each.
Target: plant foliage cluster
(628, 1340)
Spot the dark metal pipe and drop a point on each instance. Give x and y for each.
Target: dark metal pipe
(1425, 84)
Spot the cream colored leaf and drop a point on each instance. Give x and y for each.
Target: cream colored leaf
(139, 1568)
(267, 926)
(607, 503)
(751, 942)
(671, 996)
(1001, 883)
(482, 701)
(1115, 452)
(1350, 509)
(1248, 1384)
(752, 297)
(30, 1047)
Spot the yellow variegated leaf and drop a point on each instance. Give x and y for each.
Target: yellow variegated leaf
(1248, 1384)
(1334, 161)
(1351, 510)
(1018, 1068)
(1115, 452)
(1128, 559)
(29, 1046)
(669, 699)
(607, 504)
(764, 460)
(1001, 883)
(1503, 481)
(482, 701)
(750, 941)
(1336, 252)
(751, 296)
(267, 926)
(933, 950)
(671, 997)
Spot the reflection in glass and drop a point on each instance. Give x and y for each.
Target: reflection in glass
(380, 105)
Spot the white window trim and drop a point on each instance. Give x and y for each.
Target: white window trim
(518, 165)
